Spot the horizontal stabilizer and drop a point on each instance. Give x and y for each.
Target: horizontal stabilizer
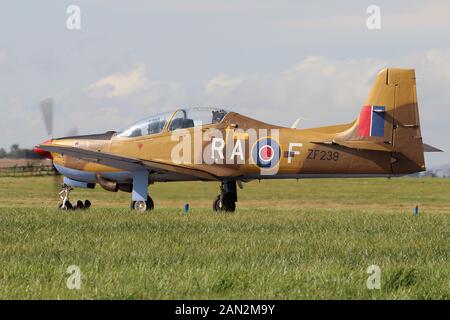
(360, 145)
(364, 145)
(430, 148)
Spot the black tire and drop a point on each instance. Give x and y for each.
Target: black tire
(224, 202)
(231, 207)
(216, 204)
(68, 206)
(80, 205)
(228, 204)
(87, 204)
(149, 202)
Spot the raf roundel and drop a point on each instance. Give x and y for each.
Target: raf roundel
(266, 153)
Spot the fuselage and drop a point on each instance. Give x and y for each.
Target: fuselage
(295, 152)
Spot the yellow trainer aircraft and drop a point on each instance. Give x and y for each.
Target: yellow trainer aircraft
(208, 144)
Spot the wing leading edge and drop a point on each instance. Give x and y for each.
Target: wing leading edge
(127, 163)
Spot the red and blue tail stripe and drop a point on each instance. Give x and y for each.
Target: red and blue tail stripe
(371, 121)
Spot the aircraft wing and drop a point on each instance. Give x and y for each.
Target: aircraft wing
(127, 163)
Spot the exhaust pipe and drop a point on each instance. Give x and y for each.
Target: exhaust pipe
(106, 184)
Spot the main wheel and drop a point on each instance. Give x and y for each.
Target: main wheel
(228, 203)
(80, 204)
(216, 204)
(224, 202)
(142, 206)
(67, 206)
(87, 204)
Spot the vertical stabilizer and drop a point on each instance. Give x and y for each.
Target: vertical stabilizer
(389, 121)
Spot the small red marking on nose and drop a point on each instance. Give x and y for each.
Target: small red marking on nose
(43, 153)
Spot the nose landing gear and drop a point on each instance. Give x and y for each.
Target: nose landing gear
(64, 196)
(226, 200)
(65, 202)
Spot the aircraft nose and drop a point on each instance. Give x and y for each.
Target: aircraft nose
(43, 153)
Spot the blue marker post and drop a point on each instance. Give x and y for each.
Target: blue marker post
(416, 211)
(186, 208)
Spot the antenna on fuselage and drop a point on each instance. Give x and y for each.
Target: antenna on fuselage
(295, 124)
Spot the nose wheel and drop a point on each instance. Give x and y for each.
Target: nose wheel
(65, 202)
(226, 200)
(142, 206)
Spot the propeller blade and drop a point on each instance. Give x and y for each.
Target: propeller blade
(47, 110)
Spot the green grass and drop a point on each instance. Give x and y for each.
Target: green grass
(312, 239)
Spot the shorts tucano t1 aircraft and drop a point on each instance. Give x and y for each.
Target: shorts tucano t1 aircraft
(208, 144)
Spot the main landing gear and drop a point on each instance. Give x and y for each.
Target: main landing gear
(142, 206)
(65, 202)
(140, 200)
(226, 200)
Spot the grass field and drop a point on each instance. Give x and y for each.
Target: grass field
(312, 239)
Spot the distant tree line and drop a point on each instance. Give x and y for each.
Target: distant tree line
(15, 152)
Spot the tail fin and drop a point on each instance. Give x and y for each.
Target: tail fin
(389, 121)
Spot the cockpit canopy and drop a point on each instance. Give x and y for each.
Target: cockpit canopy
(180, 119)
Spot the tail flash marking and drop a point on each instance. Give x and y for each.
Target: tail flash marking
(371, 121)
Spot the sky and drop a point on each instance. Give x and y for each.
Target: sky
(272, 60)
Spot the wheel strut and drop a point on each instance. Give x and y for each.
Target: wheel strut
(64, 196)
(140, 200)
(226, 200)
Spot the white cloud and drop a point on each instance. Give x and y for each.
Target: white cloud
(120, 84)
(222, 83)
(311, 88)
(138, 89)
(318, 84)
(121, 99)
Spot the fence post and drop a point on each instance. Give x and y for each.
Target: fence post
(28, 171)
